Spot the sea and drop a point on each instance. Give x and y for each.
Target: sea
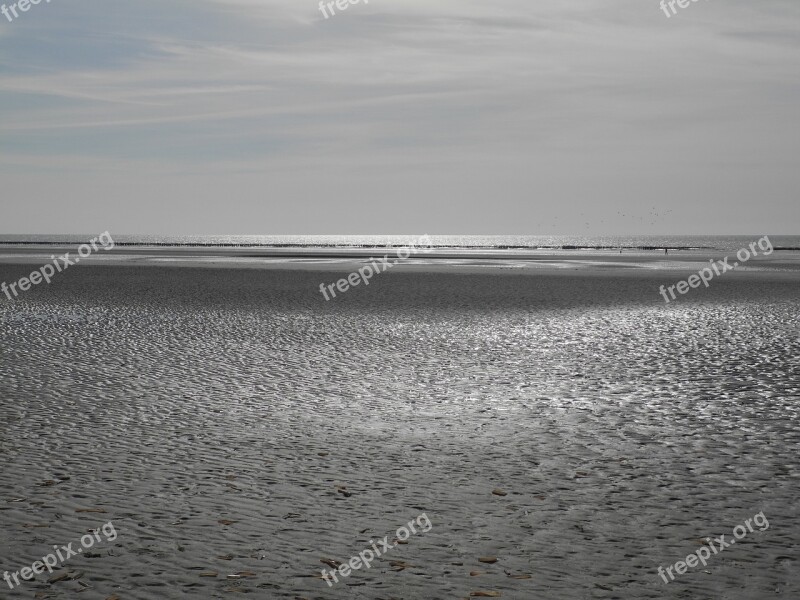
(566, 242)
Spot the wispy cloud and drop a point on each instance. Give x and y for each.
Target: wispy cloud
(576, 100)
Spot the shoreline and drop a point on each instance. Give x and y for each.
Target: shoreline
(778, 265)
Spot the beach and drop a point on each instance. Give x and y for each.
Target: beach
(565, 430)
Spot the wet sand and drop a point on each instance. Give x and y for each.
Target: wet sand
(216, 413)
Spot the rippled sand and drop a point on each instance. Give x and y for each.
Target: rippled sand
(622, 430)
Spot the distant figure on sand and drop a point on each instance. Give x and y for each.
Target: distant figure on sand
(666, 251)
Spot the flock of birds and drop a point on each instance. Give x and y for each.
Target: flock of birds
(652, 218)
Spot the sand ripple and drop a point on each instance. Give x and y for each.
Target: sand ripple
(623, 430)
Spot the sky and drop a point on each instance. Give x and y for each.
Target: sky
(596, 117)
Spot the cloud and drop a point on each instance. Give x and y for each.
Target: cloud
(562, 100)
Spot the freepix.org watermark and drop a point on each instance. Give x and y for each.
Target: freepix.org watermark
(17, 7)
(672, 3)
(703, 553)
(340, 4)
(62, 555)
(707, 274)
(366, 557)
(62, 263)
(364, 274)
